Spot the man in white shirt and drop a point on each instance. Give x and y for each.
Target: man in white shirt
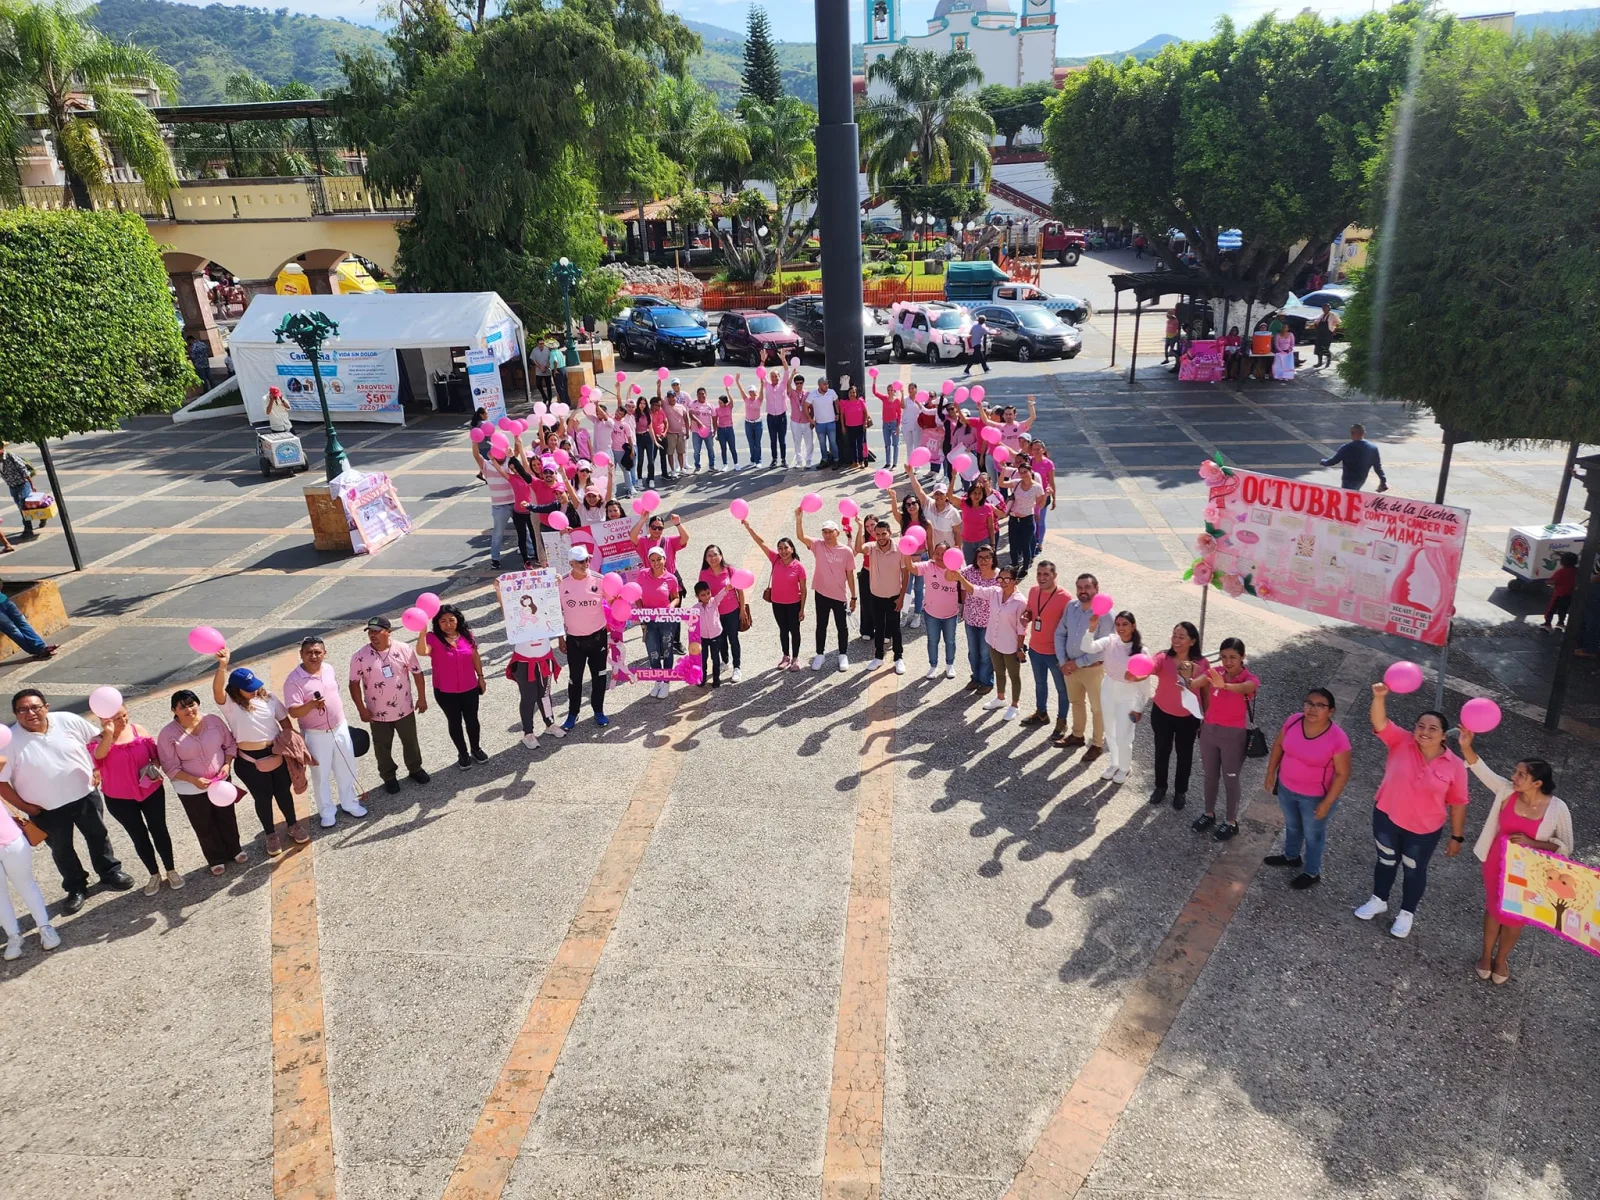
(311, 694)
(824, 412)
(50, 775)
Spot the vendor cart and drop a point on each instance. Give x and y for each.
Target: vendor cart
(1533, 552)
(279, 452)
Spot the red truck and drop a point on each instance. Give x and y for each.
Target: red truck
(1063, 244)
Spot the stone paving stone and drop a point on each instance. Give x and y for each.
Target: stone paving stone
(97, 595)
(223, 598)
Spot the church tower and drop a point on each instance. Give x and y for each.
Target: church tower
(883, 35)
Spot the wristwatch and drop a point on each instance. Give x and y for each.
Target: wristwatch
(1457, 838)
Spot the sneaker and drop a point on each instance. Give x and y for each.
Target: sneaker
(916, 621)
(736, 675)
(1010, 713)
(419, 777)
(1303, 881)
(1159, 796)
(299, 834)
(1036, 718)
(1372, 908)
(355, 808)
(328, 818)
(152, 885)
(1402, 924)
(13, 947)
(1281, 860)
(933, 672)
(48, 937)
(1225, 831)
(1121, 776)
(530, 740)
(783, 663)
(174, 880)
(569, 724)
(392, 786)
(560, 731)
(274, 844)
(463, 762)
(1109, 775)
(950, 671)
(875, 664)
(899, 667)
(816, 663)
(794, 665)
(992, 703)
(601, 720)
(844, 662)
(1203, 822)
(478, 755)
(494, 564)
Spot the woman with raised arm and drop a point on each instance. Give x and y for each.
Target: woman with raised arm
(787, 594)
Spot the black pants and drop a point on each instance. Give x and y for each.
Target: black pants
(864, 590)
(533, 696)
(885, 624)
(586, 650)
(266, 786)
(216, 829)
(146, 823)
(461, 714)
(546, 386)
(1020, 541)
(712, 653)
(778, 436)
(647, 459)
(86, 815)
(527, 539)
(730, 637)
(788, 618)
(383, 733)
(1170, 732)
(825, 606)
(1324, 352)
(978, 356)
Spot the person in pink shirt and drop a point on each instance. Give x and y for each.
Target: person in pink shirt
(311, 696)
(381, 678)
(702, 424)
(1173, 724)
(458, 680)
(833, 579)
(941, 605)
(130, 780)
(787, 594)
(754, 407)
(677, 417)
(1045, 470)
(660, 591)
(1003, 636)
(800, 420)
(888, 577)
(1226, 690)
(708, 623)
(726, 442)
(980, 519)
(1012, 430)
(775, 397)
(853, 420)
(715, 572)
(586, 642)
(1028, 496)
(1307, 771)
(894, 411)
(1424, 787)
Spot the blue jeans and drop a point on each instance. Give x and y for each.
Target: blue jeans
(730, 448)
(916, 594)
(1400, 847)
(18, 494)
(711, 453)
(630, 481)
(978, 656)
(778, 433)
(941, 629)
(827, 443)
(752, 435)
(1300, 824)
(499, 514)
(1045, 668)
(15, 626)
(658, 642)
(891, 445)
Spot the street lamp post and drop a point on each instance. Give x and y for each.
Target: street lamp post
(309, 330)
(566, 273)
(777, 259)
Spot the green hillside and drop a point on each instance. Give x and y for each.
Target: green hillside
(721, 63)
(206, 45)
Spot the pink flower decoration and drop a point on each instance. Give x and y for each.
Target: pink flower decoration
(1204, 544)
(1232, 584)
(1210, 472)
(1214, 514)
(1202, 573)
(1265, 590)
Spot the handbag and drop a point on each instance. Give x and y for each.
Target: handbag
(34, 833)
(744, 617)
(1255, 742)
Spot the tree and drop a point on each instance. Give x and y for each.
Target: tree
(783, 152)
(711, 146)
(930, 119)
(1273, 131)
(1004, 107)
(50, 57)
(90, 336)
(1482, 291)
(763, 80)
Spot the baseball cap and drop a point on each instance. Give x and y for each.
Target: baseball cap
(940, 488)
(245, 680)
(676, 381)
(658, 552)
(833, 525)
(578, 554)
(379, 623)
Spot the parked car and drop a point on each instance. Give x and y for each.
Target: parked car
(803, 314)
(1300, 311)
(935, 330)
(647, 300)
(880, 227)
(1027, 332)
(748, 333)
(662, 334)
(986, 290)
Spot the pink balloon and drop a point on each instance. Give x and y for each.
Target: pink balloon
(948, 386)
(1102, 604)
(1403, 677)
(477, 433)
(602, 459)
(920, 457)
(611, 585)
(561, 456)
(810, 502)
(795, 363)
(991, 435)
(499, 453)
(638, 507)
(5, 736)
(743, 579)
(586, 391)
(429, 603)
(539, 408)
(632, 592)
(414, 619)
(739, 509)
(872, 372)
(557, 521)
(221, 793)
(637, 390)
(953, 559)
(1480, 715)
(907, 545)
(650, 501)
(663, 374)
(961, 462)
(917, 534)
(1001, 454)
(560, 409)
(884, 479)
(727, 381)
(104, 702)
(622, 377)
(848, 507)
(922, 397)
(621, 610)
(1140, 665)
(505, 423)
(205, 640)
(977, 393)
(960, 396)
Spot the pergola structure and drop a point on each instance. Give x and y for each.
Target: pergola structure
(1152, 285)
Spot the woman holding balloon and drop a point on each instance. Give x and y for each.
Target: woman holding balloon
(255, 718)
(941, 604)
(980, 520)
(130, 780)
(787, 591)
(894, 407)
(914, 524)
(975, 616)
(1126, 689)
(1226, 688)
(728, 587)
(196, 753)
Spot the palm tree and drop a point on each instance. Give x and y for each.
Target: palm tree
(783, 152)
(52, 60)
(710, 145)
(931, 118)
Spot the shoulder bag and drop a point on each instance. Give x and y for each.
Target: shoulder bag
(1255, 742)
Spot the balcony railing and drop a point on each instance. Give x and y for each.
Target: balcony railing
(237, 199)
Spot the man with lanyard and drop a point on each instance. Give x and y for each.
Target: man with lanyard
(805, 438)
(703, 423)
(977, 347)
(824, 413)
(1356, 459)
(583, 616)
(889, 572)
(311, 694)
(381, 675)
(1083, 671)
(50, 776)
(775, 393)
(1047, 604)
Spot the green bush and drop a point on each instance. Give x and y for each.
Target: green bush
(90, 334)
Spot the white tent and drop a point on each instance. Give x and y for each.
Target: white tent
(361, 369)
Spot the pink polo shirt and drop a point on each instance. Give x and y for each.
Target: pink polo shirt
(719, 580)
(658, 590)
(300, 687)
(831, 573)
(853, 412)
(883, 570)
(1230, 709)
(582, 605)
(677, 417)
(752, 406)
(703, 416)
(1004, 632)
(453, 671)
(385, 678)
(671, 543)
(709, 623)
(941, 597)
(1169, 694)
(775, 396)
(797, 406)
(787, 580)
(1417, 794)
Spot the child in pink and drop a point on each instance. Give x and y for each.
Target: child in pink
(708, 622)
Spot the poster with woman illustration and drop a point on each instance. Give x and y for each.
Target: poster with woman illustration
(530, 602)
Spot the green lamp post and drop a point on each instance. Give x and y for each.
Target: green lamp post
(309, 330)
(566, 273)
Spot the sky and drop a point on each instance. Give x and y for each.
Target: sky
(1086, 26)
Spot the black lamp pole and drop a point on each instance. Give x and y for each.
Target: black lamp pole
(309, 330)
(566, 273)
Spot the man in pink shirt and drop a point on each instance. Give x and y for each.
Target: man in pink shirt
(381, 676)
(888, 572)
(833, 578)
(703, 423)
(311, 694)
(805, 436)
(677, 415)
(583, 616)
(775, 395)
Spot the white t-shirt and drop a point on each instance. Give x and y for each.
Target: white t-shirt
(258, 723)
(822, 405)
(945, 522)
(53, 768)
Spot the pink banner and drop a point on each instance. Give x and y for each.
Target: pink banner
(1374, 559)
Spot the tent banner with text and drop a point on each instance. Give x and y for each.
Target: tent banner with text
(1553, 893)
(1375, 559)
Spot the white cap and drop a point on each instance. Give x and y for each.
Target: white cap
(833, 525)
(940, 488)
(657, 552)
(578, 554)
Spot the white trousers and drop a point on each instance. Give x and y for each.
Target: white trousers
(336, 765)
(16, 860)
(1119, 699)
(805, 444)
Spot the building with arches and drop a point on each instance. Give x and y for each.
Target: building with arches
(1010, 50)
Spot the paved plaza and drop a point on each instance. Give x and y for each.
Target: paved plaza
(809, 935)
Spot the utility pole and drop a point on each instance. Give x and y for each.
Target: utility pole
(838, 198)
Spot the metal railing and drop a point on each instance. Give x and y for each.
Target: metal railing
(333, 195)
(325, 195)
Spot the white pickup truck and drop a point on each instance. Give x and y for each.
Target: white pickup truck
(1068, 308)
